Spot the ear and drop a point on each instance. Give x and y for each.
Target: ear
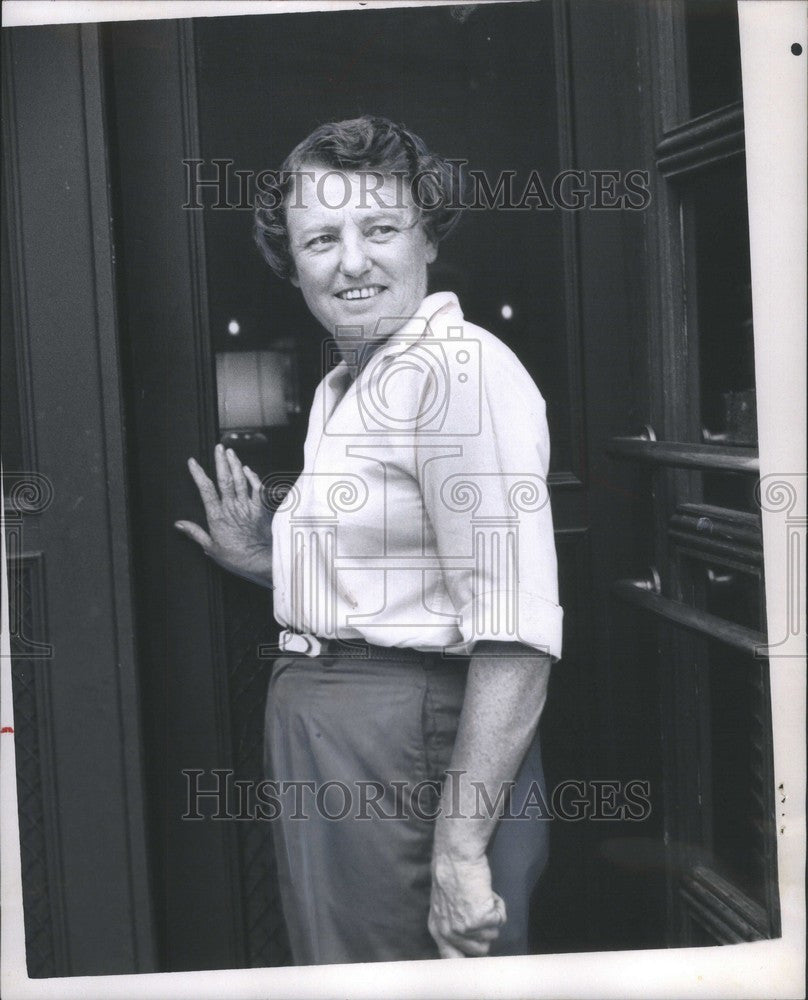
(293, 278)
(431, 252)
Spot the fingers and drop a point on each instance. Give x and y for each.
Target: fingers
(485, 924)
(488, 934)
(237, 474)
(498, 915)
(492, 921)
(457, 946)
(207, 491)
(464, 938)
(475, 942)
(447, 950)
(255, 482)
(469, 948)
(194, 532)
(484, 930)
(224, 476)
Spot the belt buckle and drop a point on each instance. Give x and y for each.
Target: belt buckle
(299, 642)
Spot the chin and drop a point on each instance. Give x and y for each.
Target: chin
(365, 318)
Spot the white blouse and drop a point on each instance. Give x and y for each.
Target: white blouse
(422, 517)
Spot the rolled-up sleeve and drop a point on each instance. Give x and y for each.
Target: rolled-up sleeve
(487, 502)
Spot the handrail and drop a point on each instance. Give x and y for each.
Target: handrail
(639, 594)
(685, 456)
(695, 144)
(722, 121)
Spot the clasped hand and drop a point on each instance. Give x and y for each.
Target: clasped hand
(465, 914)
(239, 536)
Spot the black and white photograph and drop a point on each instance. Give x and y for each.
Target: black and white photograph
(403, 465)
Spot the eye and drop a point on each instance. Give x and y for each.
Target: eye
(381, 231)
(318, 242)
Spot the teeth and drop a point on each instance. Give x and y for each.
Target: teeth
(360, 293)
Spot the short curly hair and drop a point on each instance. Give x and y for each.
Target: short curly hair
(371, 143)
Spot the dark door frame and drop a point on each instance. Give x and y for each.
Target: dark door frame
(77, 709)
(168, 369)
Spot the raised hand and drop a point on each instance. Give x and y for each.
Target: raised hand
(239, 536)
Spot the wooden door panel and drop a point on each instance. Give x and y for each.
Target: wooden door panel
(80, 781)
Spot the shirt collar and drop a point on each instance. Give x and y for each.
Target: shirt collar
(432, 315)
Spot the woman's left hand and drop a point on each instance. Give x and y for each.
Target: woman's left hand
(465, 914)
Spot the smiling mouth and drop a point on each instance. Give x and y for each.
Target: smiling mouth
(366, 292)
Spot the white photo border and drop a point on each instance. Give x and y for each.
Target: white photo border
(775, 84)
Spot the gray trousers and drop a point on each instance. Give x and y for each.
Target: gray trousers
(362, 745)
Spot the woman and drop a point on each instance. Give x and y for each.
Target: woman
(414, 574)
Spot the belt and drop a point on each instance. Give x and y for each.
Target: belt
(359, 649)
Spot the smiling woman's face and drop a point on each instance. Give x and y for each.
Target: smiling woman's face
(358, 257)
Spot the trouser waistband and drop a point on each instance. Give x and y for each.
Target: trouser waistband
(361, 649)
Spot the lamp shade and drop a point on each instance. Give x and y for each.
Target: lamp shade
(254, 388)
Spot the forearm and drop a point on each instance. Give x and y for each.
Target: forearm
(505, 695)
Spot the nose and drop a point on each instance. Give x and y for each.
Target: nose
(354, 260)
